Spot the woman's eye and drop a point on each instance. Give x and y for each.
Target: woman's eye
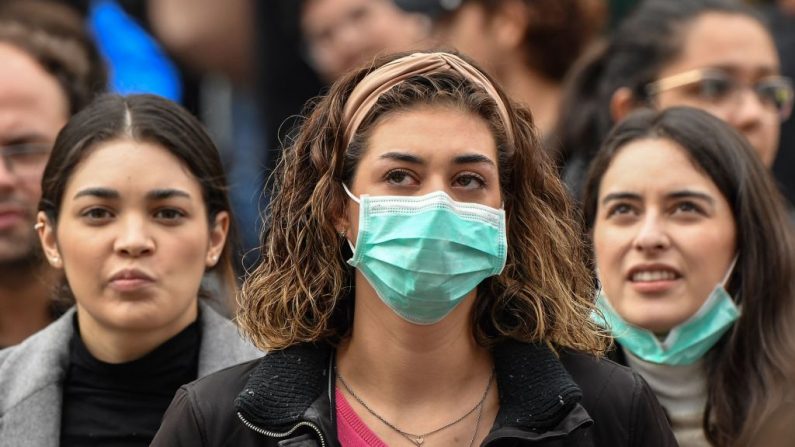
(469, 181)
(399, 177)
(715, 88)
(170, 214)
(620, 209)
(687, 207)
(96, 214)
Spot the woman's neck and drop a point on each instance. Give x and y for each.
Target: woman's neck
(416, 377)
(118, 345)
(401, 356)
(405, 354)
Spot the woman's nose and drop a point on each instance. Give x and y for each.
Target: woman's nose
(134, 238)
(651, 235)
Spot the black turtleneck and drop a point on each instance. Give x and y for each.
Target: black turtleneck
(122, 404)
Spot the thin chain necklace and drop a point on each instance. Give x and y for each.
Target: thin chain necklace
(415, 439)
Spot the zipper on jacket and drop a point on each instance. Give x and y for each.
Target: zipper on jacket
(272, 434)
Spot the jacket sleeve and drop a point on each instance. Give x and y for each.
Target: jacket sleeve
(649, 426)
(182, 424)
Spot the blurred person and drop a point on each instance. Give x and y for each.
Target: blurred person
(786, 6)
(343, 34)
(409, 294)
(50, 69)
(695, 259)
(134, 211)
(715, 55)
(528, 45)
(216, 41)
(207, 35)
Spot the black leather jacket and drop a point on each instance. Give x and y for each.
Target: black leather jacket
(287, 399)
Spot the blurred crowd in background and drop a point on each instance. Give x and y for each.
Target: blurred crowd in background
(248, 68)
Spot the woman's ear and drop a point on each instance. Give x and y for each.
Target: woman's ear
(341, 219)
(341, 224)
(49, 243)
(218, 234)
(621, 104)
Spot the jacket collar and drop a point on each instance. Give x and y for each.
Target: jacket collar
(538, 398)
(536, 392)
(284, 385)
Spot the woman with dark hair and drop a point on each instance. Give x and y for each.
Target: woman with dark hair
(695, 260)
(716, 55)
(134, 211)
(422, 283)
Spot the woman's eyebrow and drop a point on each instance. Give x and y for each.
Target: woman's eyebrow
(102, 193)
(107, 193)
(460, 159)
(403, 156)
(472, 158)
(690, 194)
(162, 194)
(621, 196)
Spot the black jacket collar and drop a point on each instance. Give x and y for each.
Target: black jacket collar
(296, 384)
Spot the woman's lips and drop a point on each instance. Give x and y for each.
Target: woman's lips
(653, 278)
(659, 286)
(130, 285)
(129, 280)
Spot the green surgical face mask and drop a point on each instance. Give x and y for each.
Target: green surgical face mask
(687, 342)
(423, 255)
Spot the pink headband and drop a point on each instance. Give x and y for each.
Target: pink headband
(380, 80)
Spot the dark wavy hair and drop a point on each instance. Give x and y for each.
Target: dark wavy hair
(151, 119)
(302, 290)
(750, 366)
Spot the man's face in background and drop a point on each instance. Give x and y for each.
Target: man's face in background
(33, 108)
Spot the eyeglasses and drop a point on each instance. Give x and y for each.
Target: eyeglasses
(717, 87)
(25, 159)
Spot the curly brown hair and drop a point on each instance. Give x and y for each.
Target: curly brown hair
(303, 289)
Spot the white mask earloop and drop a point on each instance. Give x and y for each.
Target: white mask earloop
(355, 199)
(730, 271)
(350, 194)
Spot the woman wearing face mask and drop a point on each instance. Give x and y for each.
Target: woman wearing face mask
(134, 211)
(695, 260)
(715, 55)
(422, 285)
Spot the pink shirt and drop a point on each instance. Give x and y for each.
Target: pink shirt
(351, 431)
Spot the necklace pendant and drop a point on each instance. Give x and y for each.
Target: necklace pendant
(418, 441)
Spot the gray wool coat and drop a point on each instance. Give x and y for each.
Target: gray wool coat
(31, 375)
